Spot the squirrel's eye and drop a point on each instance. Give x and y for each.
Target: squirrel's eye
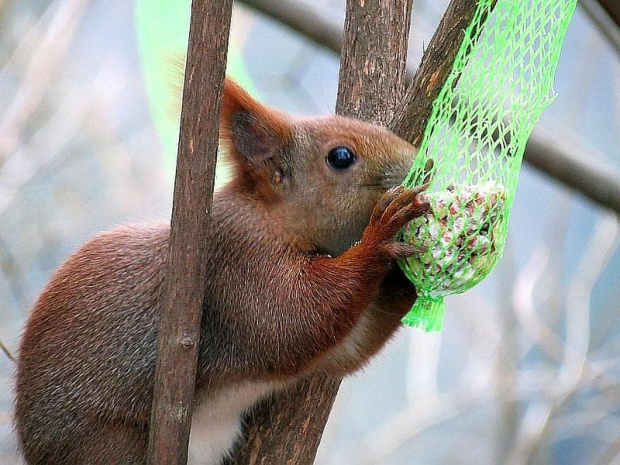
(341, 158)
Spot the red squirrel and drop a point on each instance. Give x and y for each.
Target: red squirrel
(302, 278)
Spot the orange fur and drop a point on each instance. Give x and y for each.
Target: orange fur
(302, 278)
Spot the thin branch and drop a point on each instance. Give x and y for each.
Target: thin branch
(594, 259)
(612, 7)
(3, 8)
(573, 425)
(186, 270)
(7, 352)
(28, 163)
(536, 425)
(611, 455)
(600, 183)
(304, 19)
(434, 69)
(532, 324)
(39, 73)
(561, 157)
(14, 275)
(410, 422)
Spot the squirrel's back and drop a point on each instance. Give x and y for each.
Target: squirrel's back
(302, 276)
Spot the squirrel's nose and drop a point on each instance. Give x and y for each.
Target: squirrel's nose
(406, 161)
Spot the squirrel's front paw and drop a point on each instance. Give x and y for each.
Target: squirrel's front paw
(395, 209)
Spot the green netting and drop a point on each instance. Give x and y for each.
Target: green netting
(473, 146)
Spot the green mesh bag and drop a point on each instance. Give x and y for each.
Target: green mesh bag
(473, 146)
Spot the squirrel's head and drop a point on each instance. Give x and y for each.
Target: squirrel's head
(319, 177)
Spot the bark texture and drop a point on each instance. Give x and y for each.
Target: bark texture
(373, 64)
(287, 429)
(193, 194)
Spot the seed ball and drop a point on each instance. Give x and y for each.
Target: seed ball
(459, 233)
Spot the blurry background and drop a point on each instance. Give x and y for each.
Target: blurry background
(527, 368)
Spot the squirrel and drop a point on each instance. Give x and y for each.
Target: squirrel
(302, 279)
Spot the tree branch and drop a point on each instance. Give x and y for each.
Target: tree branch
(372, 79)
(40, 71)
(372, 68)
(612, 7)
(7, 352)
(303, 19)
(186, 273)
(287, 428)
(557, 158)
(581, 177)
(410, 121)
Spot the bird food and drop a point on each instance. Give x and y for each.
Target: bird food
(499, 84)
(458, 234)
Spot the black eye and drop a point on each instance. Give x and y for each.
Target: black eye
(341, 158)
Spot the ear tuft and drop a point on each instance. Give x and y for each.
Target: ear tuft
(254, 136)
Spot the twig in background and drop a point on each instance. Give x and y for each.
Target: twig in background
(407, 424)
(612, 7)
(28, 162)
(523, 301)
(535, 427)
(594, 259)
(39, 73)
(7, 352)
(14, 274)
(611, 456)
(301, 17)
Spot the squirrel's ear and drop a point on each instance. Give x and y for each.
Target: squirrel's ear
(254, 137)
